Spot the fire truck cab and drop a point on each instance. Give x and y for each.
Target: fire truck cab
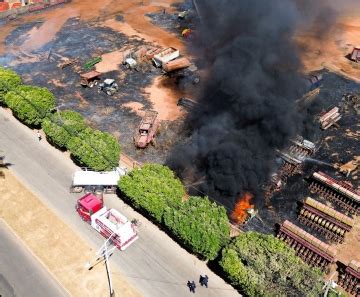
(87, 206)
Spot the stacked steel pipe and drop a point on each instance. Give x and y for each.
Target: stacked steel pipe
(310, 249)
(325, 220)
(338, 192)
(349, 278)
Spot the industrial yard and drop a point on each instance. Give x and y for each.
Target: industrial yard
(131, 69)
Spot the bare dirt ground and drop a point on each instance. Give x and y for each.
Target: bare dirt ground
(136, 23)
(349, 250)
(331, 50)
(64, 254)
(164, 99)
(35, 44)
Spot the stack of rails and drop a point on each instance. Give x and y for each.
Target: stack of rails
(349, 278)
(325, 220)
(310, 249)
(335, 191)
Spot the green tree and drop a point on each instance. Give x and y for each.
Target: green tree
(262, 265)
(200, 224)
(152, 188)
(60, 127)
(9, 80)
(30, 104)
(95, 149)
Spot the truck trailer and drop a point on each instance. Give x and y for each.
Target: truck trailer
(91, 181)
(108, 222)
(166, 56)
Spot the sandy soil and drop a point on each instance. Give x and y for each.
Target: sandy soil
(349, 250)
(136, 23)
(63, 254)
(330, 51)
(165, 99)
(110, 61)
(135, 107)
(351, 166)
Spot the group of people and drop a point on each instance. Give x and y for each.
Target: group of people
(203, 282)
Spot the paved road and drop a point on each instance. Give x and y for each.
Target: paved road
(20, 273)
(154, 264)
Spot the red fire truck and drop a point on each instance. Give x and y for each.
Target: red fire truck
(108, 222)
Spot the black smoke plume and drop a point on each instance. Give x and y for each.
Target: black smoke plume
(247, 104)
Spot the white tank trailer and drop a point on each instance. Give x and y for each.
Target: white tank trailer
(93, 181)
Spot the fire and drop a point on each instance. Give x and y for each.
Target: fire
(240, 214)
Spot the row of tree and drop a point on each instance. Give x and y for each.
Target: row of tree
(35, 107)
(257, 264)
(198, 223)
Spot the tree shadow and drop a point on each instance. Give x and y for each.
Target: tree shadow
(3, 165)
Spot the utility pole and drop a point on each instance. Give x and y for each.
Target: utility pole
(112, 292)
(105, 252)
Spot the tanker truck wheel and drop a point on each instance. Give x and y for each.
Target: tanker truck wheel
(88, 189)
(76, 189)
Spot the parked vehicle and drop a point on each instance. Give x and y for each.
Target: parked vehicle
(93, 181)
(90, 79)
(187, 103)
(147, 130)
(109, 86)
(165, 56)
(130, 63)
(108, 222)
(176, 64)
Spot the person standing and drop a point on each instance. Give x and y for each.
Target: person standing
(204, 280)
(189, 285)
(39, 135)
(193, 287)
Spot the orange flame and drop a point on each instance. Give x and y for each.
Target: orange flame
(239, 214)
